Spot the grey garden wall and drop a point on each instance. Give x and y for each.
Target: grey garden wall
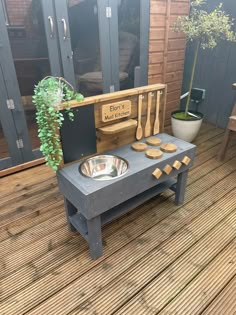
(216, 71)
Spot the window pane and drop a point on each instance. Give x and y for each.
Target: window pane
(83, 20)
(129, 36)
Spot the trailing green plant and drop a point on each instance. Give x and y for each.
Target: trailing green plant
(49, 93)
(205, 29)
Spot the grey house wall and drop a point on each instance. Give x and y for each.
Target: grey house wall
(216, 71)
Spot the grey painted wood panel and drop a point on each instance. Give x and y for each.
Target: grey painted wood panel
(95, 197)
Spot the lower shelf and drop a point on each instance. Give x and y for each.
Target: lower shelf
(80, 222)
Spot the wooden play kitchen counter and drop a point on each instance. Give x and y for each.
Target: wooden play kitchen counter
(90, 203)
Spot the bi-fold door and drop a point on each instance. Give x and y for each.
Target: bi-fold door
(99, 46)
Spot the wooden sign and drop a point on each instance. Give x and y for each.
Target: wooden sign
(116, 110)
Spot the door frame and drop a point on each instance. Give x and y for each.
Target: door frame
(14, 120)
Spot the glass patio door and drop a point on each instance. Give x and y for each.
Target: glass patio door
(129, 42)
(82, 28)
(28, 52)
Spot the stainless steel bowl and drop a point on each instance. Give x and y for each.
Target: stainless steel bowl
(104, 167)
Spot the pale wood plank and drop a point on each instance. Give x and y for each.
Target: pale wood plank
(206, 286)
(225, 302)
(155, 295)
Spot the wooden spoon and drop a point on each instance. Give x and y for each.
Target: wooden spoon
(147, 130)
(156, 128)
(139, 131)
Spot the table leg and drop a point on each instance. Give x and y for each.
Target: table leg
(70, 210)
(181, 187)
(95, 237)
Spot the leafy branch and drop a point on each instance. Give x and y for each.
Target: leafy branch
(206, 29)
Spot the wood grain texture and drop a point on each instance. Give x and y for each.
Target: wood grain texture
(139, 131)
(119, 127)
(153, 141)
(166, 47)
(154, 154)
(169, 147)
(139, 146)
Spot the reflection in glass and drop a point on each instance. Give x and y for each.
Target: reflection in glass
(129, 35)
(84, 31)
(3, 145)
(29, 49)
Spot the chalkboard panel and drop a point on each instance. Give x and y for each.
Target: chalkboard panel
(79, 137)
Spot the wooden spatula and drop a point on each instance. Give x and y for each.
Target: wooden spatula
(147, 130)
(156, 128)
(139, 131)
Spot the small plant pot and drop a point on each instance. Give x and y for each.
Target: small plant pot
(186, 128)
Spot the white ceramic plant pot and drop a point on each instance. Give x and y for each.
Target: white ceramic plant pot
(186, 130)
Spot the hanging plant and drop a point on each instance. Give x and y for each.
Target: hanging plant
(49, 93)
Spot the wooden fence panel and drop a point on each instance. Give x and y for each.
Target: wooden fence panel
(167, 48)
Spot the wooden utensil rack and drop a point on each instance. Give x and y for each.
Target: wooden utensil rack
(114, 131)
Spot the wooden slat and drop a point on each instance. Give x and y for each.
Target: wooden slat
(35, 203)
(206, 286)
(143, 278)
(225, 302)
(115, 96)
(14, 244)
(166, 45)
(21, 167)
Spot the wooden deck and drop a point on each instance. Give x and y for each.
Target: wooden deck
(159, 259)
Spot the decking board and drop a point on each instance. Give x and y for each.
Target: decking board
(46, 269)
(225, 302)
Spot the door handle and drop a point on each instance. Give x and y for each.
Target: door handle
(51, 26)
(64, 28)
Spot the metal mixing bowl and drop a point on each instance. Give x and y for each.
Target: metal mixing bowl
(104, 167)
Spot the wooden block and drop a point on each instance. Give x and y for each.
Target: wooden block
(115, 128)
(154, 154)
(167, 169)
(168, 147)
(153, 141)
(186, 160)
(177, 165)
(157, 173)
(139, 146)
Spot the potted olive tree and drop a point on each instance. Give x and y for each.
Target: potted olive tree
(205, 30)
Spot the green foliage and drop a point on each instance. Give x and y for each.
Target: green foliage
(206, 27)
(48, 95)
